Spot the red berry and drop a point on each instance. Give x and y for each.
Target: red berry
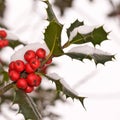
(3, 33)
(33, 79)
(49, 61)
(14, 75)
(5, 43)
(41, 53)
(21, 83)
(35, 63)
(29, 89)
(39, 79)
(28, 68)
(19, 65)
(43, 69)
(1, 43)
(29, 55)
(11, 65)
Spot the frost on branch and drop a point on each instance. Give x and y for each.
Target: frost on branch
(63, 87)
(85, 51)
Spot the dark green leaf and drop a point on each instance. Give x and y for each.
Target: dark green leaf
(27, 106)
(14, 43)
(5, 76)
(63, 87)
(74, 25)
(2, 7)
(50, 12)
(97, 36)
(53, 38)
(87, 52)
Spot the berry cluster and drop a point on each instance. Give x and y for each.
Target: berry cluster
(3, 42)
(24, 73)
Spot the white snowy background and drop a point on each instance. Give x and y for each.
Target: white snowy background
(101, 84)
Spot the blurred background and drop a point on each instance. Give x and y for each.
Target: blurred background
(26, 19)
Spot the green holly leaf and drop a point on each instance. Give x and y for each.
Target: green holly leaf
(27, 106)
(87, 52)
(53, 38)
(5, 76)
(14, 43)
(2, 7)
(96, 36)
(63, 87)
(74, 25)
(50, 12)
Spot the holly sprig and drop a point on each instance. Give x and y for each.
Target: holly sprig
(52, 38)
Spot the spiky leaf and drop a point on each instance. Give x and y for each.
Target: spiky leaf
(27, 106)
(75, 24)
(53, 38)
(63, 87)
(50, 12)
(87, 52)
(96, 36)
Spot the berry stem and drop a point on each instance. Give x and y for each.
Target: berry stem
(66, 44)
(6, 88)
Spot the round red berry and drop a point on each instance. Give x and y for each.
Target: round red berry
(21, 83)
(11, 65)
(29, 55)
(44, 69)
(14, 75)
(19, 65)
(41, 53)
(5, 42)
(3, 33)
(35, 63)
(28, 68)
(49, 61)
(1, 43)
(29, 89)
(33, 79)
(39, 79)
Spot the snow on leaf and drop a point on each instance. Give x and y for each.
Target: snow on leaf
(90, 34)
(26, 106)
(62, 86)
(19, 54)
(53, 38)
(88, 52)
(83, 30)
